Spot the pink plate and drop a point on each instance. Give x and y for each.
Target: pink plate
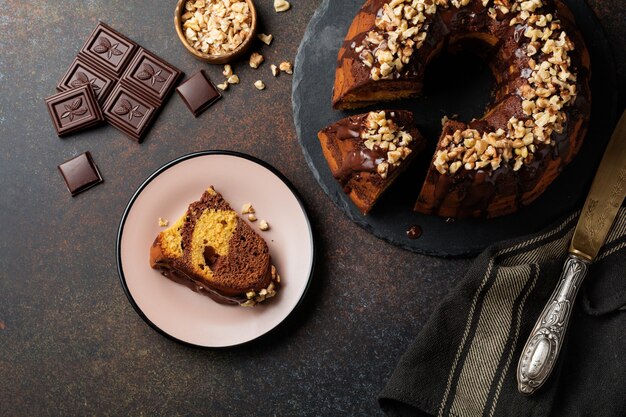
(180, 313)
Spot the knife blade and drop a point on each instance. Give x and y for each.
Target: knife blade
(594, 224)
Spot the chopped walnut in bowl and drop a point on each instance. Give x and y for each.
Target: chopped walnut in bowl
(216, 31)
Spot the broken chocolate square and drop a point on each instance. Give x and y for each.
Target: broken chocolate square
(80, 173)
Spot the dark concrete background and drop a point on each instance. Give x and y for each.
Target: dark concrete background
(71, 344)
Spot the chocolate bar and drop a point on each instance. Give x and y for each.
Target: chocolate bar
(129, 112)
(150, 76)
(124, 76)
(74, 110)
(108, 49)
(80, 173)
(81, 73)
(198, 93)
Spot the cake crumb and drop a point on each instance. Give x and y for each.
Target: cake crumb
(252, 217)
(247, 209)
(163, 222)
(263, 225)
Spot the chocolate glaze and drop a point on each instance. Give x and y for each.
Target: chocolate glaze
(359, 159)
(181, 277)
(354, 165)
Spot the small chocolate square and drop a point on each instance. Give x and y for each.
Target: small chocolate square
(80, 173)
(74, 110)
(129, 112)
(151, 76)
(80, 73)
(198, 92)
(108, 49)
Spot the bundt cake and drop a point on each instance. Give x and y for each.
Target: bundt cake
(366, 152)
(214, 252)
(538, 117)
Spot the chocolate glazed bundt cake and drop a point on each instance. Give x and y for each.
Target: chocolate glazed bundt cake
(533, 127)
(214, 252)
(366, 152)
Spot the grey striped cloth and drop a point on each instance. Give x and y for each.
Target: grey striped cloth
(463, 362)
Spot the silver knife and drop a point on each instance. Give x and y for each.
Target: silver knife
(596, 219)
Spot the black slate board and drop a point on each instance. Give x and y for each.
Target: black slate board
(465, 93)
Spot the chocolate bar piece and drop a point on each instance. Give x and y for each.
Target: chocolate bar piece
(74, 110)
(198, 93)
(108, 49)
(151, 76)
(130, 82)
(80, 173)
(80, 73)
(129, 112)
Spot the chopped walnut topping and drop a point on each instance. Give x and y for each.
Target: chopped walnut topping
(401, 28)
(256, 59)
(384, 135)
(216, 27)
(253, 297)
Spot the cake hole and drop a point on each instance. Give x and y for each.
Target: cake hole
(459, 83)
(210, 255)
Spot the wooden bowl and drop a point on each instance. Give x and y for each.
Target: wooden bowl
(215, 59)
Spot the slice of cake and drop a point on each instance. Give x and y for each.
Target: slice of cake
(368, 151)
(214, 252)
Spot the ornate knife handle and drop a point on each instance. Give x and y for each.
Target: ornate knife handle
(544, 343)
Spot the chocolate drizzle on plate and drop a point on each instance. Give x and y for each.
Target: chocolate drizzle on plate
(414, 232)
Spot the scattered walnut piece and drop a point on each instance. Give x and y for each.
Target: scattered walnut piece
(260, 85)
(275, 70)
(263, 225)
(252, 217)
(247, 208)
(286, 66)
(163, 222)
(233, 79)
(256, 59)
(266, 39)
(223, 86)
(228, 70)
(281, 5)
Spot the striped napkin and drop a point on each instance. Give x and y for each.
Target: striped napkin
(463, 362)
